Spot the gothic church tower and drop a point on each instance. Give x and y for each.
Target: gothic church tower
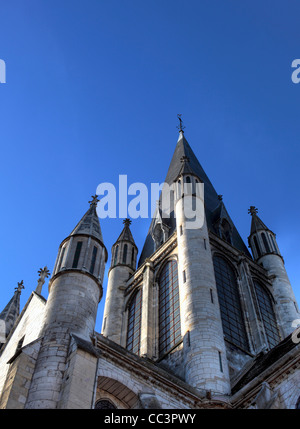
(75, 290)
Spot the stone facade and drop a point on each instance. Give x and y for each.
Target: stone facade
(199, 323)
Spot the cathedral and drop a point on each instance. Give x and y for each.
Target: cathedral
(199, 320)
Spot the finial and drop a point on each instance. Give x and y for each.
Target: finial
(43, 274)
(20, 286)
(180, 126)
(253, 210)
(94, 201)
(127, 222)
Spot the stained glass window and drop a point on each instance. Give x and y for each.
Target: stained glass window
(134, 323)
(230, 305)
(267, 314)
(169, 308)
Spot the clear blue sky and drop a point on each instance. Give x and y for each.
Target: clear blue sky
(93, 89)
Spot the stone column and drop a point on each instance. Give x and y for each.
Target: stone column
(204, 348)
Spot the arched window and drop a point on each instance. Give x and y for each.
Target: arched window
(104, 404)
(134, 323)
(256, 246)
(132, 256)
(267, 314)
(116, 255)
(61, 258)
(169, 308)
(230, 304)
(265, 241)
(125, 254)
(273, 242)
(93, 261)
(298, 404)
(77, 254)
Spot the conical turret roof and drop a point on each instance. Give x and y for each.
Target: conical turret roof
(126, 234)
(256, 223)
(12, 310)
(89, 224)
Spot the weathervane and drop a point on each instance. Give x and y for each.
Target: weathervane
(180, 126)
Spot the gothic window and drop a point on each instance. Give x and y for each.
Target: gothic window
(93, 261)
(116, 255)
(104, 404)
(298, 404)
(273, 242)
(267, 314)
(125, 254)
(132, 257)
(169, 308)
(61, 258)
(230, 304)
(256, 246)
(188, 179)
(266, 244)
(134, 323)
(77, 254)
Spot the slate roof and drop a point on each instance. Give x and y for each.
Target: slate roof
(89, 224)
(212, 202)
(11, 312)
(257, 224)
(265, 360)
(126, 234)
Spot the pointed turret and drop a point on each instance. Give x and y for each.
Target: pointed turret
(89, 224)
(10, 313)
(123, 263)
(81, 249)
(124, 250)
(75, 290)
(266, 252)
(262, 240)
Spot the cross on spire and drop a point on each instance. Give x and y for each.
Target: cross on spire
(94, 201)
